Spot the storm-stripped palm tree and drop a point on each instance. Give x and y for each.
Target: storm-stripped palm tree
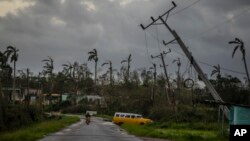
(94, 56)
(178, 62)
(4, 63)
(11, 53)
(128, 68)
(240, 44)
(67, 69)
(216, 70)
(48, 69)
(110, 71)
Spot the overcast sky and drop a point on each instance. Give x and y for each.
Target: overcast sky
(67, 30)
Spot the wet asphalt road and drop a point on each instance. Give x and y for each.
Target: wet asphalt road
(97, 130)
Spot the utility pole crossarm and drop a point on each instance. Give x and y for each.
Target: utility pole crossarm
(154, 20)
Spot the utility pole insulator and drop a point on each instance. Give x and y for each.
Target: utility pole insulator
(164, 43)
(152, 18)
(143, 28)
(174, 4)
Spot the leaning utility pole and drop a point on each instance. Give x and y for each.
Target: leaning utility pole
(188, 54)
(162, 55)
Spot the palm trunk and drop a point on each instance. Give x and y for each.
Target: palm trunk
(245, 64)
(14, 83)
(110, 77)
(95, 71)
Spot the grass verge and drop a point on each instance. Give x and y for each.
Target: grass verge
(178, 132)
(38, 130)
(105, 117)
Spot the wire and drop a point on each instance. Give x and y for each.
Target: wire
(220, 24)
(146, 44)
(157, 35)
(198, 35)
(230, 70)
(183, 9)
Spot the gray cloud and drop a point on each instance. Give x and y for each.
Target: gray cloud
(67, 31)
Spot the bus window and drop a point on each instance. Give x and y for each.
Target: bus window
(127, 116)
(117, 115)
(133, 116)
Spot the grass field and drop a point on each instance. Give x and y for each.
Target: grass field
(38, 130)
(178, 131)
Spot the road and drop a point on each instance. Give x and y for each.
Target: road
(97, 130)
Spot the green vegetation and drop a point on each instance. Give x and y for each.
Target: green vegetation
(38, 130)
(105, 117)
(179, 131)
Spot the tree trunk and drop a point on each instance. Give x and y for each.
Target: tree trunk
(95, 71)
(14, 83)
(245, 64)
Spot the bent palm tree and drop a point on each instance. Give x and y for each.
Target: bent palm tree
(240, 44)
(216, 70)
(93, 56)
(110, 71)
(128, 68)
(48, 69)
(12, 53)
(67, 69)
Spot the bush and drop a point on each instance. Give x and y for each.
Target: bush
(183, 113)
(16, 116)
(75, 109)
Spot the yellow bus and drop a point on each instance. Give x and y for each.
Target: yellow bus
(131, 118)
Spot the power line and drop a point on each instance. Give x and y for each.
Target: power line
(220, 24)
(208, 30)
(230, 70)
(146, 44)
(204, 63)
(183, 9)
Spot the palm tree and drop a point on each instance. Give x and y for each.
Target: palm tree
(110, 71)
(67, 69)
(3, 60)
(240, 44)
(93, 56)
(48, 69)
(178, 62)
(128, 68)
(12, 53)
(216, 70)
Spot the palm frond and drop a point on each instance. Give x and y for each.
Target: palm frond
(45, 60)
(232, 42)
(129, 57)
(234, 51)
(104, 64)
(213, 72)
(91, 52)
(91, 57)
(242, 49)
(123, 61)
(238, 40)
(11, 48)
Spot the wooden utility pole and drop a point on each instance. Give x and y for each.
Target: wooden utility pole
(162, 55)
(213, 92)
